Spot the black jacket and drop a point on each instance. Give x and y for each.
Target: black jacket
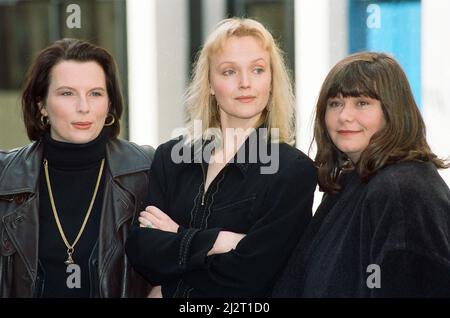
(387, 238)
(125, 188)
(272, 209)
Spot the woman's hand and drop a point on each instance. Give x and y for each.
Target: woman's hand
(225, 242)
(155, 292)
(154, 218)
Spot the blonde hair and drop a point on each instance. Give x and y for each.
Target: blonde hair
(201, 105)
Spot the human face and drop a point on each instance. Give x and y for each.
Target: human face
(241, 79)
(77, 101)
(352, 121)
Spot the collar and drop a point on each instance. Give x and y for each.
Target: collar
(255, 147)
(70, 156)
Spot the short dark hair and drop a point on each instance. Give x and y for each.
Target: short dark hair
(37, 81)
(403, 138)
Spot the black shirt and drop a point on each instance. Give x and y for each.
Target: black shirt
(73, 171)
(272, 210)
(389, 237)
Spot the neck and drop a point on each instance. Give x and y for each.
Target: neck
(236, 131)
(238, 123)
(74, 156)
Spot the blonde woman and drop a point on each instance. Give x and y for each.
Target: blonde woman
(228, 201)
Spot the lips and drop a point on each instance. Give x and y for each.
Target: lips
(245, 99)
(83, 125)
(348, 132)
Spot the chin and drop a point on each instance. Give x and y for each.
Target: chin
(247, 115)
(349, 149)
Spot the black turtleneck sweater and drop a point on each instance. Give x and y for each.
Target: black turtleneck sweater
(73, 171)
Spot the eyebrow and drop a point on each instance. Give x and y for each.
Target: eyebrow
(68, 87)
(252, 62)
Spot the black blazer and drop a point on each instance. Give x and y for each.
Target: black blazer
(271, 209)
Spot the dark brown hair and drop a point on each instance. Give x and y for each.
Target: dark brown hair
(378, 76)
(38, 80)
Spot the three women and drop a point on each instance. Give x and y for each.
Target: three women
(224, 222)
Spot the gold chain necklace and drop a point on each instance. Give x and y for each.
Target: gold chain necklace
(70, 248)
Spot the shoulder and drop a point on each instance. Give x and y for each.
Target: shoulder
(294, 164)
(176, 150)
(409, 201)
(166, 147)
(292, 157)
(118, 146)
(19, 168)
(409, 179)
(127, 157)
(17, 154)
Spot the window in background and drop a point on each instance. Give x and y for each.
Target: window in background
(389, 26)
(26, 27)
(276, 15)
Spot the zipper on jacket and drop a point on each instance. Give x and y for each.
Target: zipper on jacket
(212, 182)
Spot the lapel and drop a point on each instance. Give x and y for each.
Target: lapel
(120, 199)
(22, 223)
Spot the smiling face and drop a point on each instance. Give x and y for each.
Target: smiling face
(352, 121)
(240, 79)
(77, 101)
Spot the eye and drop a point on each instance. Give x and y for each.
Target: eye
(334, 103)
(95, 93)
(228, 72)
(258, 70)
(363, 103)
(66, 93)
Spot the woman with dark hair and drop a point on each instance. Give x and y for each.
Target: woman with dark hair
(67, 200)
(383, 228)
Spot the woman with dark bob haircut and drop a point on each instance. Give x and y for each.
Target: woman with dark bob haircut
(67, 200)
(383, 228)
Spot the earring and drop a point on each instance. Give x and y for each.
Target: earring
(112, 121)
(44, 121)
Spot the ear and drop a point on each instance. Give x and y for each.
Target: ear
(211, 90)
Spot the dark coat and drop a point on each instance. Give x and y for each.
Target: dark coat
(271, 209)
(389, 237)
(125, 188)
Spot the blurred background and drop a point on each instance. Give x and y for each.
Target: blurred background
(155, 42)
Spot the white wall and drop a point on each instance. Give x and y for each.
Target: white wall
(320, 41)
(142, 71)
(436, 77)
(172, 47)
(213, 12)
(158, 35)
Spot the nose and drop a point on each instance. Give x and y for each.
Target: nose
(83, 105)
(244, 80)
(347, 112)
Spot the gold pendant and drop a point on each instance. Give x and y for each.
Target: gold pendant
(69, 260)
